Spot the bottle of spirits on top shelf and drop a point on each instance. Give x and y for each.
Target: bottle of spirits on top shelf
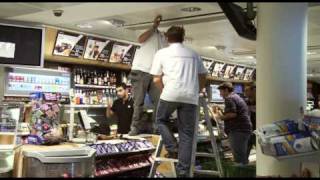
(75, 76)
(95, 78)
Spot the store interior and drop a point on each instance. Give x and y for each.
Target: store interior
(62, 63)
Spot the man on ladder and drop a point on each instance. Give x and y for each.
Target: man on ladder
(179, 73)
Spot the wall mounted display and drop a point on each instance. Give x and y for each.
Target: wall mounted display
(21, 45)
(229, 71)
(122, 53)
(239, 73)
(214, 93)
(248, 74)
(238, 88)
(218, 70)
(98, 49)
(207, 64)
(69, 44)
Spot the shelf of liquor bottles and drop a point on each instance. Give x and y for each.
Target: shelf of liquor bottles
(96, 86)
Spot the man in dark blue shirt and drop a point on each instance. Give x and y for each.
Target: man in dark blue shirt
(236, 121)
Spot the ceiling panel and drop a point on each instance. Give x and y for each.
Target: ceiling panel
(203, 31)
(50, 6)
(16, 9)
(171, 12)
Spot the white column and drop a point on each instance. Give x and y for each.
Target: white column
(281, 74)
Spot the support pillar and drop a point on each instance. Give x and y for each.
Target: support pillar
(281, 74)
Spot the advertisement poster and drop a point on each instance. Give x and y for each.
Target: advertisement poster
(239, 73)
(248, 74)
(122, 53)
(207, 64)
(69, 44)
(229, 72)
(98, 49)
(218, 69)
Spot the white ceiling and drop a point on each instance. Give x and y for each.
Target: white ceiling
(210, 29)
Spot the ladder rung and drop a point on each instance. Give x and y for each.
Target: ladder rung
(201, 154)
(207, 172)
(161, 159)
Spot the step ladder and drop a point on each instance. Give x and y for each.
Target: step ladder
(219, 172)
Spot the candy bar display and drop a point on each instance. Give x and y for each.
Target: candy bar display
(129, 146)
(44, 118)
(114, 166)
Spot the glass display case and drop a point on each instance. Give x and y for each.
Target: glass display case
(10, 117)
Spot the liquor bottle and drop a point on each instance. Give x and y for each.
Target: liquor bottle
(108, 78)
(75, 76)
(108, 95)
(80, 97)
(78, 77)
(104, 97)
(89, 81)
(85, 77)
(95, 78)
(81, 77)
(77, 97)
(100, 80)
(105, 79)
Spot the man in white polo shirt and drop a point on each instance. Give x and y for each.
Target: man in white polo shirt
(152, 40)
(179, 74)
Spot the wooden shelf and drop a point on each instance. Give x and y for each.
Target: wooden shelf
(51, 34)
(69, 60)
(124, 171)
(93, 86)
(211, 78)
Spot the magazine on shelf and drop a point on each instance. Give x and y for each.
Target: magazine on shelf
(69, 44)
(98, 49)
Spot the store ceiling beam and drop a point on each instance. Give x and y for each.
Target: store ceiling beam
(201, 18)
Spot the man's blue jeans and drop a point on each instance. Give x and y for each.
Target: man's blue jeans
(186, 122)
(239, 144)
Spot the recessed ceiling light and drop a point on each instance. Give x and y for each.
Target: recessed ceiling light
(115, 22)
(191, 9)
(107, 22)
(311, 53)
(211, 47)
(85, 26)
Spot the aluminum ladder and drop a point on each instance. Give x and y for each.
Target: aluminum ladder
(158, 160)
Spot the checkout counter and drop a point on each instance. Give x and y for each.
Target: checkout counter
(88, 157)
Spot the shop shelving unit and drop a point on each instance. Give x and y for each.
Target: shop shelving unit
(123, 155)
(280, 158)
